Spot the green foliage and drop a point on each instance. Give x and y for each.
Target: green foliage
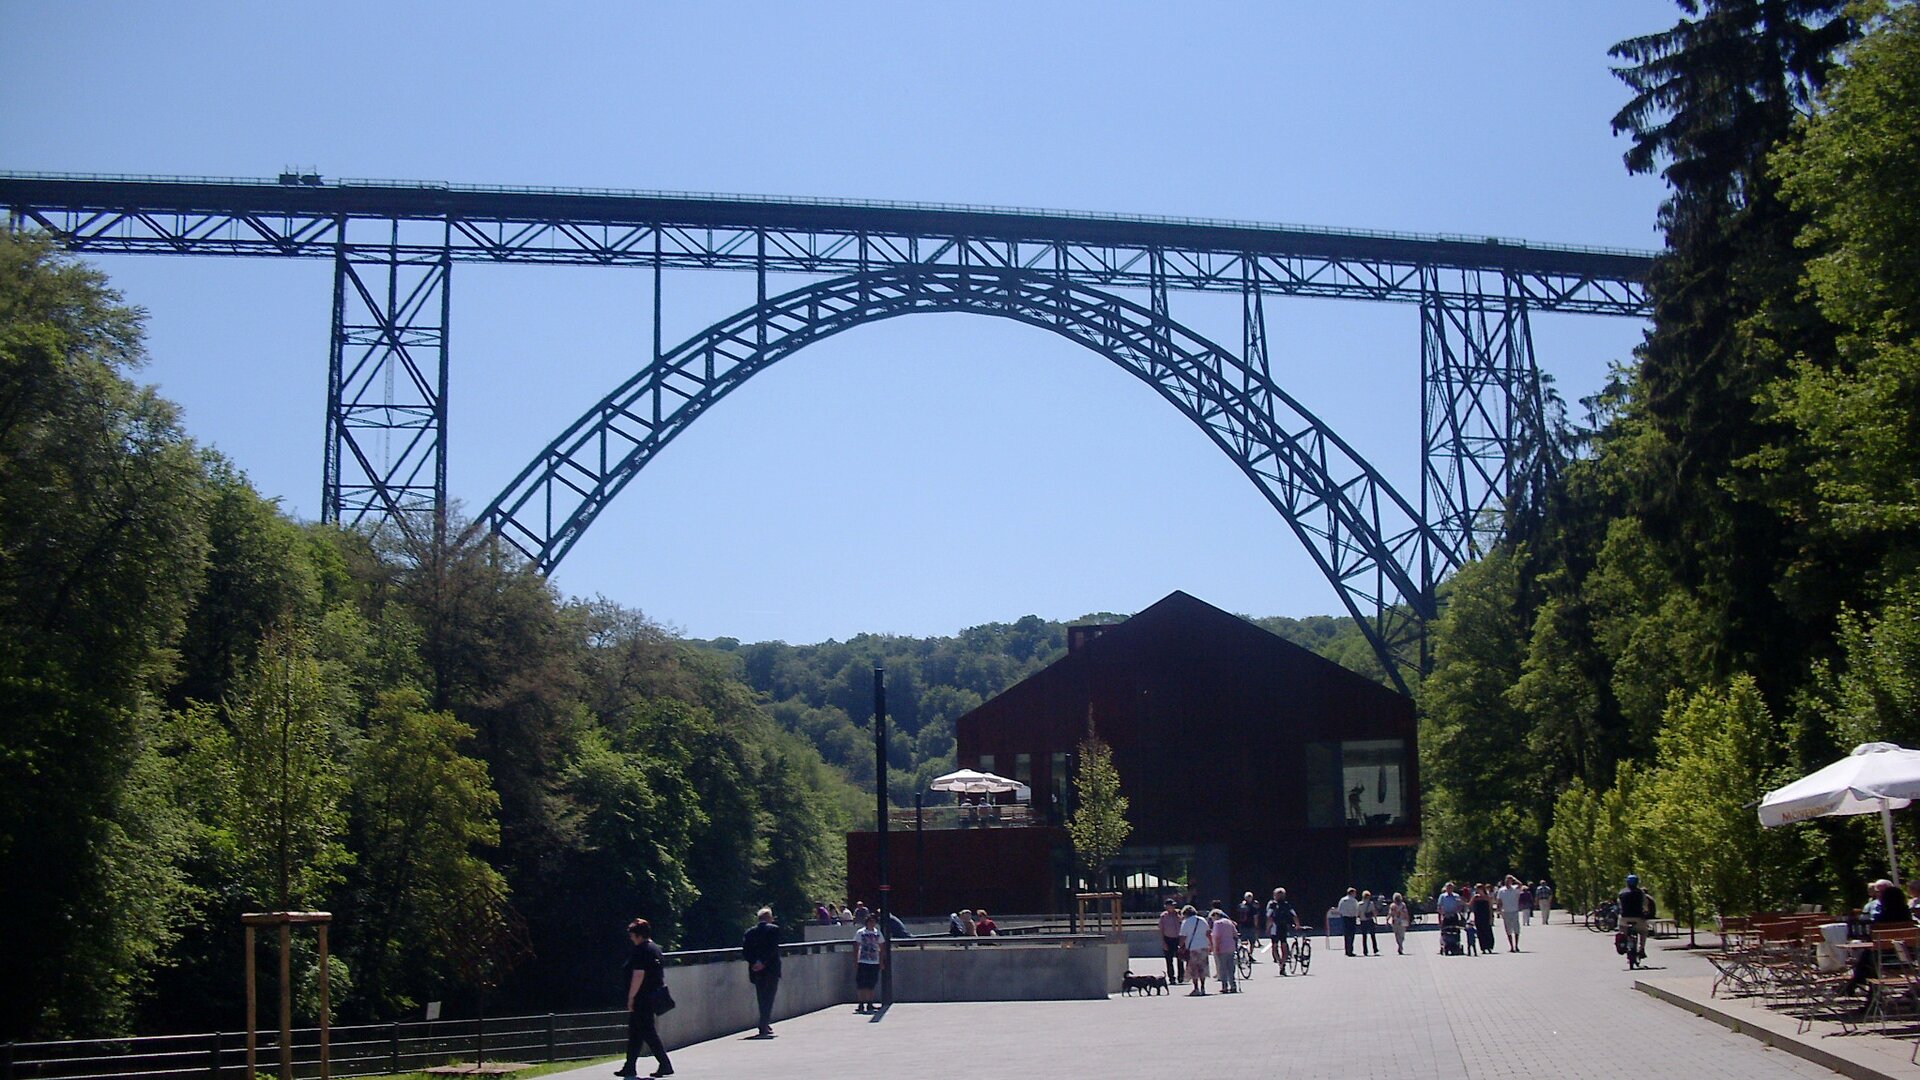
(422, 813)
(1574, 847)
(287, 779)
(1697, 831)
(1098, 826)
(1483, 811)
(101, 547)
(1874, 696)
(1856, 173)
(424, 740)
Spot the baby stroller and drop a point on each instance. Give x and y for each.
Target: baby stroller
(1450, 936)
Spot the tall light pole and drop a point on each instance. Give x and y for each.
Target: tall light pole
(880, 819)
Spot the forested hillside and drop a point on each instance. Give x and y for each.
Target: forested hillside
(1720, 592)
(825, 692)
(210, 708)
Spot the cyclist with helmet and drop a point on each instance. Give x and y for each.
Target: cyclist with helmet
(1636, 910)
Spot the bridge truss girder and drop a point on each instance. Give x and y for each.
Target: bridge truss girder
(1360, 532)
(816, 237)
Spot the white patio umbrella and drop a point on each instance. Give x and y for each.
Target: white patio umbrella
(1875, 778)
(974, 782)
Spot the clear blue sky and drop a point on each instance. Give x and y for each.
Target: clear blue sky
(917, 476)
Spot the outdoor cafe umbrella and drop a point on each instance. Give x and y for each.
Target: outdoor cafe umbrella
(974, 782)
(1876, 777)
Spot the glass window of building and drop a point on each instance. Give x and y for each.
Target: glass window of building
(986, 763)
(1023, 768)
(1358, 783)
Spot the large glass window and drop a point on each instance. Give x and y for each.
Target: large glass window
(1023, 768)
(1060, 785)
(1362, 782)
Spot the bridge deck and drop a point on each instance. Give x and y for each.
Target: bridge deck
(219, 216)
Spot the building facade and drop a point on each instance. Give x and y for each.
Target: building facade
(1248, 762)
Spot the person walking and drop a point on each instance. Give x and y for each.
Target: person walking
(760, 947)
(1399, 918)
(1369, 924)
(1169, 941)
(1509, 899)
(1482, 907)
(1526, 904)
(869, 952)
(1282, 921)
(1349, 911)
(1196, 940)
(1247, 916)
(1225, 934)
(1543, 899)
(647, 975)
(1450, 907)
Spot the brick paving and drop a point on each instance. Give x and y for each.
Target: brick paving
(1563, 1007)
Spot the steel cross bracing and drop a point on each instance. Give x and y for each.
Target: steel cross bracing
(1484, 434)
(1358, 530)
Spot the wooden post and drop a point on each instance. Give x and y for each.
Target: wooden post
(253, 1007)
(285, 920)
(286, 1001)
(326, 1007)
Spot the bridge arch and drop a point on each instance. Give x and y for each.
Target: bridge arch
(1371, 544)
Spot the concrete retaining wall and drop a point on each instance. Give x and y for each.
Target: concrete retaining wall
(1014, 970)
(715, 999)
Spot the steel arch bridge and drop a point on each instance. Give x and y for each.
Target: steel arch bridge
(1484, 437)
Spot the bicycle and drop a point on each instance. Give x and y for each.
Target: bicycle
(1243, 959)
(1604, 919)
(1299, 953)
(1630, 941)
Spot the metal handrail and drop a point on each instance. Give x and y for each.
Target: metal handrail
(355, 1049)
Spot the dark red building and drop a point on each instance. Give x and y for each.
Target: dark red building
(1249, 762)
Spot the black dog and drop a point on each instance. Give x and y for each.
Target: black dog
(1146, 984)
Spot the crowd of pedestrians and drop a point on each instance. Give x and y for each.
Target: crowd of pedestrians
(1467, 915)
(1196, 943)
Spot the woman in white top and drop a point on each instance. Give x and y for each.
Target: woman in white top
(1399, 917)
(1196, 936)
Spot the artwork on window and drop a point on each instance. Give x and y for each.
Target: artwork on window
(1356, 783)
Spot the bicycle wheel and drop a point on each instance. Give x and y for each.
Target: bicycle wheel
(1302, 956)
(1243, 963)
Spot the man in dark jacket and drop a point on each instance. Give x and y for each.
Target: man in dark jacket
(761, 949)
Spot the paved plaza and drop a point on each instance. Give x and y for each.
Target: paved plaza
(1563, 1007)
